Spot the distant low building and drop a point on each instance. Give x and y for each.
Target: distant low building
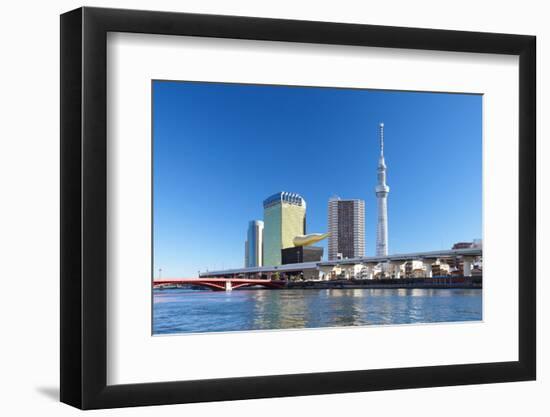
(440, 269)
(411, 266)
(463, 245)
(476, 243)
(456, 264)
(356, 271)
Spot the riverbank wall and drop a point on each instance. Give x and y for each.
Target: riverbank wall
(428, 283)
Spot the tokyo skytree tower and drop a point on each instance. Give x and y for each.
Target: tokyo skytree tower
(382, 191)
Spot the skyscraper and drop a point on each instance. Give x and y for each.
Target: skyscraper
(382, 191)
(284, 219)
(346, 225)
(254, 244)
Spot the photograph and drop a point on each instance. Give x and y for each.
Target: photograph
(279, 207)
(353, 189)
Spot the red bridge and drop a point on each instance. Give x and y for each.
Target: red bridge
(220, 284)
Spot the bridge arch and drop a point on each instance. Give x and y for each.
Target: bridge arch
(221, 284)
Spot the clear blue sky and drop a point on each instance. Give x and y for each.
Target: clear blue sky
(221, 149)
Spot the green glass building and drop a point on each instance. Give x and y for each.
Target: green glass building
(284, 219)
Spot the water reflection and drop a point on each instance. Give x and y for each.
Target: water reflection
(181, 311)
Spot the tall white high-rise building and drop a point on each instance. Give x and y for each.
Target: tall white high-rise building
(382, 191)
(346, 225)
(254, 244)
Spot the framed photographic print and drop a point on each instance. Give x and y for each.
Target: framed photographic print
(258, 207)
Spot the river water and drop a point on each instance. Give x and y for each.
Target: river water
(185, 311)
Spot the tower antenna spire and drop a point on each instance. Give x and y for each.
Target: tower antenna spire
(381, 138)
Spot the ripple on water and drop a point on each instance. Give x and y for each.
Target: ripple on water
(189, 311)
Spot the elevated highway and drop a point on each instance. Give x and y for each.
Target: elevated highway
(391, 261)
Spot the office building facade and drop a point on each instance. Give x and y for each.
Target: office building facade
(346, 225)
(254, 244)
(299, 254)
(284, 219)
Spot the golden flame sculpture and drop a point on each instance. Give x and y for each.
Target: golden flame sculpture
(306, 240)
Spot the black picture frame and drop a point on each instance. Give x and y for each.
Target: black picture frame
(84, 207)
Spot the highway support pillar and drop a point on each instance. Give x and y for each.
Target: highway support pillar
(370, 271)
(349, 271)
(396, 269)
(326, 271)
(467, 261)
(428, 265)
